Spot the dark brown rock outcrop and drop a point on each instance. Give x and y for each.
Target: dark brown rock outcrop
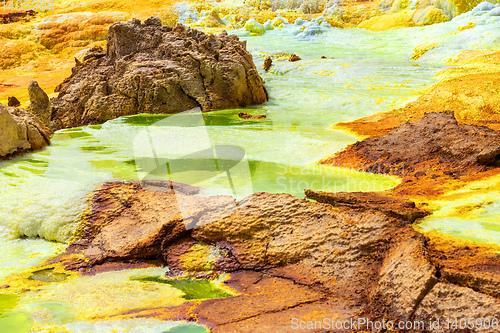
(20, 132)
(13, 101)
(16, 16)
(434, 143)
(150, 68)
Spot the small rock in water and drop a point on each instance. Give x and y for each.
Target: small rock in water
(13, 101)
(294, 57)
(267, 63)
(244, 115)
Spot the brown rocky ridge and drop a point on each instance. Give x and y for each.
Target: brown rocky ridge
(435, 143)
(16, 16)
(288, 258)
(151, 68)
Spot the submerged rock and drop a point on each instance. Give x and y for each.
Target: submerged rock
(150, 68)
(244, 115)
(431, 144)
(20, 132)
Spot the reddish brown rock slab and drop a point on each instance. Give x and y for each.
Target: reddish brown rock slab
(394, 207)
(267, 294)
(447, 302)
(128, 222)
(293, 254)
(433, 143)
(340, 249)
(314, 317)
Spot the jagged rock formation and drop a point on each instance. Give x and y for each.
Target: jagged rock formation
(342, 262)
(431, 144)
(20, 132)
(39, 102)
(150, 68)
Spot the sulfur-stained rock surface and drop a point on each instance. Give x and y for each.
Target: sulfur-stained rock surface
(445, 302)
(480, 271)
(287, 257)
(20, 132)
(433, 143)
(476, 105)
(400, 293)
(151, 68)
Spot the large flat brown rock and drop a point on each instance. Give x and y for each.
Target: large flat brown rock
(436, 142)
(287, 258)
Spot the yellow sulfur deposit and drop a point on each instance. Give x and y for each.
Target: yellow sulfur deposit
(430, 15)
(389, 21)
(110, 293)
(199, 258)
